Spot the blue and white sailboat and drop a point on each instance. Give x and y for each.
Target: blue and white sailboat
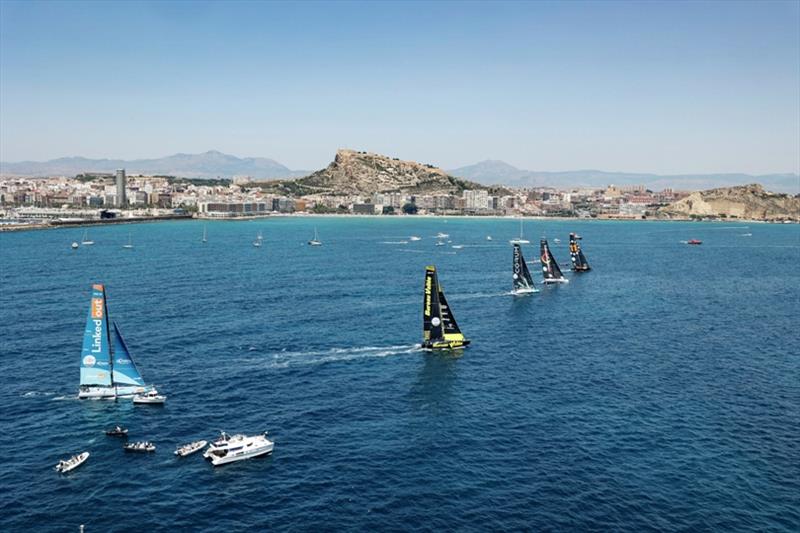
(107, 368)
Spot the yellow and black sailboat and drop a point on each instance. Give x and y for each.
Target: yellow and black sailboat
(439, 328)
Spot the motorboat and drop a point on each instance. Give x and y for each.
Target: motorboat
(441, 235)
(694, 241)
(440, 243)
(415, 238)
(488, 237)
(150, 397)
(192, 447)
(72, 463)
(458, 246)
(231, 448)
(75, 245)
(141, 446)
(117, 431)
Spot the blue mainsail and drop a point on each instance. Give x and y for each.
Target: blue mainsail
(96, 352)
(125, 371)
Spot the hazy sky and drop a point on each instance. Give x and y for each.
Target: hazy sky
(677, 87)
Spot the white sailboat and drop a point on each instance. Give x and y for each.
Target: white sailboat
(86, 241)
(205, 234)
(257, 242)
(128, 246)
(315, 241)
(520, 239)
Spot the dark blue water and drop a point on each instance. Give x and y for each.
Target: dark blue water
(659, 391)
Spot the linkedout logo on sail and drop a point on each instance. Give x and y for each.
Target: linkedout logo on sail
(97, 337)
(97, 308)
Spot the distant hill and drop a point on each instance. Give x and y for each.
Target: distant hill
(209, 164)
(749, 202)
(500, 172)
(365, 173)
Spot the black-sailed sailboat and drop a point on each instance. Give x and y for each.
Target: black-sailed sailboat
(579, 262)
(523, 282)
(550, 270)
(439, 328)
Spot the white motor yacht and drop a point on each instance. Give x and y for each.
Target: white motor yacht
(150, 397)
(72, 463)
(228, 449)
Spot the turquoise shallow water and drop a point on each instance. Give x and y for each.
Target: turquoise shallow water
(659, 391)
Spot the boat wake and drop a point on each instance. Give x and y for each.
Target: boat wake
(472, 296)
(286, 358)
(35, 394)
(394, 242)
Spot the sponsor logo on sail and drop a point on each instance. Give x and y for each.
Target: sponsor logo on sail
(97, 308)
(89, 360)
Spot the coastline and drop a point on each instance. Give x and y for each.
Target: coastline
(143, 220)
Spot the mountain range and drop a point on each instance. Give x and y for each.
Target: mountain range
(213, 164)
(499, 172)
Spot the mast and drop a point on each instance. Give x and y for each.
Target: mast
(110, 346)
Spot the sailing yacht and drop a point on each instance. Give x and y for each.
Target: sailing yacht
(523, 282)
(205, 234)
(520, 239)
(107, 368)
(257, 242)
(550, 270)
(128, 246)
(86, 241)
(439, 328)
(579, 262)
(315, 241)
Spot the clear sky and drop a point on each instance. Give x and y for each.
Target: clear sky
(674, 87)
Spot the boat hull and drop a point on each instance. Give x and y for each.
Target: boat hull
(218, 461)
(523, 292)
(109, 393)
(553, 281)
(445, 345)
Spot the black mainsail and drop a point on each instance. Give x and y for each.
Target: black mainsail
(439, 327)
(550, 270)
(523, 282)
(579, 262)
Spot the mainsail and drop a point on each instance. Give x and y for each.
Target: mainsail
(550, 270)
(579, 263)
(96, 352)
(124, 371)
(439, 327)
(523, 282)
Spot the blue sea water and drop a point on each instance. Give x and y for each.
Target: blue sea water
(661, 391)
